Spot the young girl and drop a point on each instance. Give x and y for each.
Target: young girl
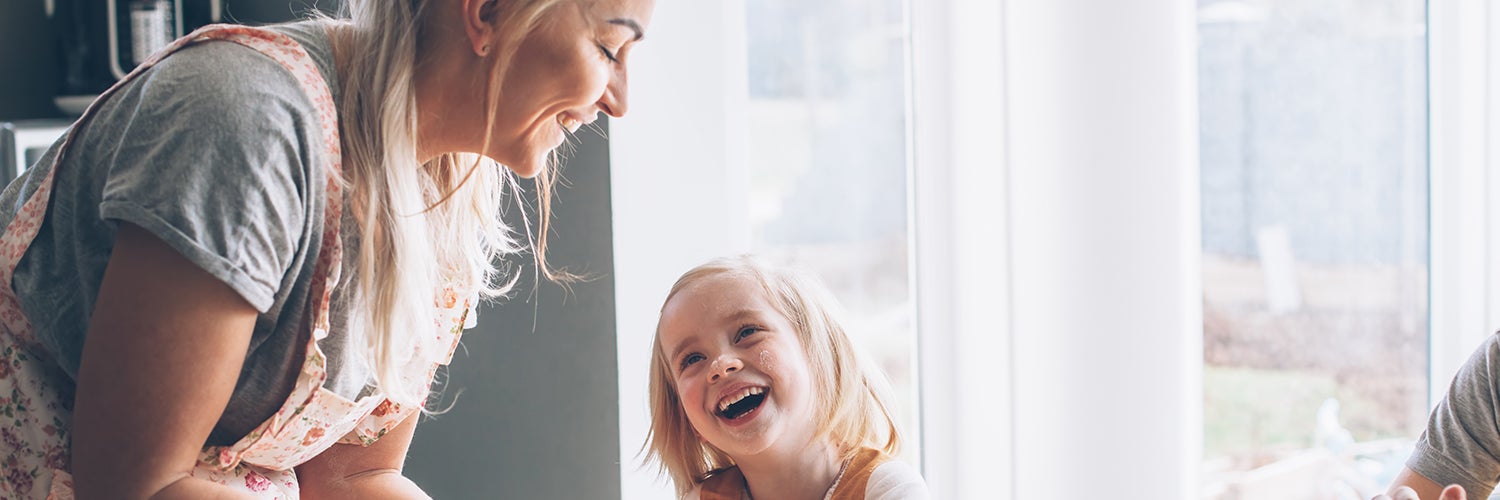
(756, 392)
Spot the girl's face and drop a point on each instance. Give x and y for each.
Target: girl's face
(738, 367)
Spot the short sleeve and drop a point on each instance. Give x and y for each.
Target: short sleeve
(215, 161)
(1462, 442)
(895, 480)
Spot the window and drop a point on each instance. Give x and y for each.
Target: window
(1313, 148)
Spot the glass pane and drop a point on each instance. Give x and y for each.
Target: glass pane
(828, 167)
(1314, 190)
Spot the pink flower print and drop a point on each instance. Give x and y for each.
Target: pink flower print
(226, 457)
(312, 436)
(448, 298)
(385, 407)
(257, 482)
(12, 441)
(19, 478)
(57, 458)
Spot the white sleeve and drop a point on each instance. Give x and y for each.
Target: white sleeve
(895, 480)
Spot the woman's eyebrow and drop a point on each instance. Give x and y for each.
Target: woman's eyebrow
(630, 23)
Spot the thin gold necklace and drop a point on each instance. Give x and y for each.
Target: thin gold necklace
(837, 479)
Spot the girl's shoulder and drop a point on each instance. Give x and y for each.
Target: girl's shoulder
(896, 480)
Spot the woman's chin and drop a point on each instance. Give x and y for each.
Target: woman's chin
(525, 168)
(529, 169)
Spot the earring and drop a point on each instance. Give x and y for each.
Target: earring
(484, 50)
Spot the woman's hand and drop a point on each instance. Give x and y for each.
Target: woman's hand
(366, 472)
(1452, 492)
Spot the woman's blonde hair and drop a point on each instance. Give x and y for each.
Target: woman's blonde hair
(851, 397)
(421, 226)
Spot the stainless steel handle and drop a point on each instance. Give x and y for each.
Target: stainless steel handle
(114, 39)
(114, 31)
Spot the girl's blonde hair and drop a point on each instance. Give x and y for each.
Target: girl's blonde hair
(851, 398)
(421, 226)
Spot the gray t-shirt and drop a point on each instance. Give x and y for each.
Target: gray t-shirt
(1462, 442)
(215, 151)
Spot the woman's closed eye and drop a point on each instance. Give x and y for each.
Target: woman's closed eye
(608, 54)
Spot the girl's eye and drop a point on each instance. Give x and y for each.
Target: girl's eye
(607, 54)
(745, 331)
(689, 360)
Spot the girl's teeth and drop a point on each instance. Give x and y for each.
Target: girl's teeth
(744, 393)
(569, 124)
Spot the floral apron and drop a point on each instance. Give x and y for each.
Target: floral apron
(36, 396)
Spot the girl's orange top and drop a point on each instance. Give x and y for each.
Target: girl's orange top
(729, 484)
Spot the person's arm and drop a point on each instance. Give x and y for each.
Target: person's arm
(370, 472)
(1461, 445)
(1410, 485)
(163, 352)
(1419, 484)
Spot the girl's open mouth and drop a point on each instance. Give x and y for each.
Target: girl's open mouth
(739, 407)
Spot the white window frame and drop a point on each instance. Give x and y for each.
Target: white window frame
(1464, 304)
(1018, 386)
(1088, 360)
(959, 193)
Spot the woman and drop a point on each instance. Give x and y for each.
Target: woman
(238, 272)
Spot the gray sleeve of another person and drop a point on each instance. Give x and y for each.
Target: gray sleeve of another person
(1462, 442)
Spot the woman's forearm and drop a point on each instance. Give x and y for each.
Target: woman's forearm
(375, 485)
(193, 488)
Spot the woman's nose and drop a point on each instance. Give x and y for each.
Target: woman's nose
(723, 366)
(615, 101)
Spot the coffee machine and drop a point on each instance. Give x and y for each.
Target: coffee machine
(102, 40)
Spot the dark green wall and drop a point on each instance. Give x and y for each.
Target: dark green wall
(28, 71)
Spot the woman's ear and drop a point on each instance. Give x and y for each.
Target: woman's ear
(479, 24)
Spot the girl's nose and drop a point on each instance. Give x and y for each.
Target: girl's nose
(723, 366)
